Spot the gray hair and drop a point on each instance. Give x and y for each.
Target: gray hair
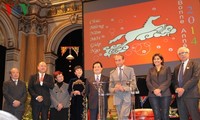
(183, 48)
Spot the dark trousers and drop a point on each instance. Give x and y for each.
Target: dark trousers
(94, 114)
(58, 115)
(40, 109)
(160, 106)
(188, 107)
(17, 113)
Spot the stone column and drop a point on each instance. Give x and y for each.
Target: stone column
(31, 56)
(22, 47)
(50, 59)
(41, 48)
(12, 60)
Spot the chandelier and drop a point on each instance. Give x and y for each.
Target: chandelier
(70, 57)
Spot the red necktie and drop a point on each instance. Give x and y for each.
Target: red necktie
(42, 77)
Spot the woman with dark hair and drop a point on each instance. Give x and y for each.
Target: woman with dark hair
(59, 98)
(77, 92)
(158, 83)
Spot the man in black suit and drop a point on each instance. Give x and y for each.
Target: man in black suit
(92, 92)
(185, 81)
(14, 92)
(38, 87)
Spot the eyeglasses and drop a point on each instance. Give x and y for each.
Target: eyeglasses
(182, 53)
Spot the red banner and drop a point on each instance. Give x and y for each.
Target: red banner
(140, 30)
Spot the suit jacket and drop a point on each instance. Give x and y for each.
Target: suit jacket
(159, 80)
(127, 75)
(35, 89)
(190, 79)
(92, 92)
(13, 92)
(60, 95)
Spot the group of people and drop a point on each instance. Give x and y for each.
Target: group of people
(185, 80)
(69, 101)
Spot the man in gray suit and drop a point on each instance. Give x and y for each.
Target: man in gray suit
(92, 92)
(122, 82)
(185, 81)
(14, 92)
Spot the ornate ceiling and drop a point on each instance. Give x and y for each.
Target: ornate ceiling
(44, 8)
(35, 15)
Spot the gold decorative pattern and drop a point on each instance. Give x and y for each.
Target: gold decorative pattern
(74, 48)
(84, 98)
(65, 8)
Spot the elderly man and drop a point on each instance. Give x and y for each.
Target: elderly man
(185, 81)
(38, 87)
(14, 92)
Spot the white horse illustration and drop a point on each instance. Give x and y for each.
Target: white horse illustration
(149, 30)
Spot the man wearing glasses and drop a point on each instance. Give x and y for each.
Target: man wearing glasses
(185, 81)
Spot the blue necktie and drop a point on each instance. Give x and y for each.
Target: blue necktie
(180, 75)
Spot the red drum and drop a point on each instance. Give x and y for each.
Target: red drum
(143, 114)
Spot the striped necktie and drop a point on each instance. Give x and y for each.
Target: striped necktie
(97, 78)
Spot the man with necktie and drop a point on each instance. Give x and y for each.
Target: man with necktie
(14, 92)
(38, 87)
(92, 91)
(122, 82)
(185, 81)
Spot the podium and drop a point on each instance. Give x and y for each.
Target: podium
(101, 99)
(101, 95)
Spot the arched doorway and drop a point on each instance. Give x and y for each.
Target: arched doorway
(74, 38)
(2, 68)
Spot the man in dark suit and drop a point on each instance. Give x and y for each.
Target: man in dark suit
(14, 92)
(38, 87)
(122, 82)
(185, 81)
(92, 92)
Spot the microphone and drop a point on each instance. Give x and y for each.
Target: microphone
(137, 91)
(132, 83)
(98, 86)
(124, 73)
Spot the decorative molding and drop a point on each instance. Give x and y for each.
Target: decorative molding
(74, 18)
(2, 39)
(50, 58)
(12, 55)
(11, 43)
(65, 8)
(11, 2)
(33, 24)
(34, 9)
